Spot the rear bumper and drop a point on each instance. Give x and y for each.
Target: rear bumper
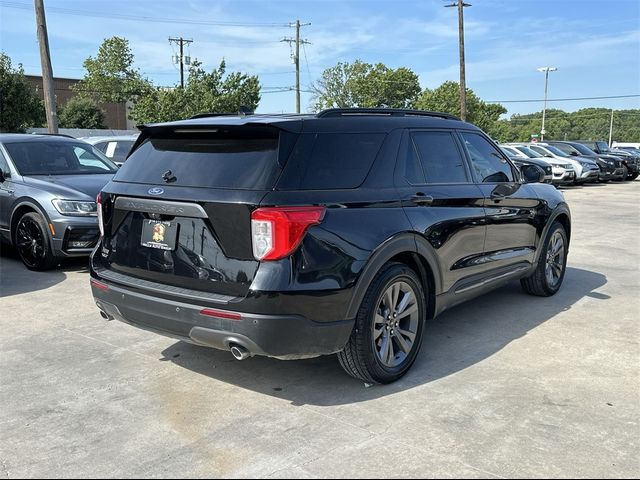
(281, 336)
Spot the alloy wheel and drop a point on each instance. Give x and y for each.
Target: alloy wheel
(555, 259)
(30, 242)
(396, 324)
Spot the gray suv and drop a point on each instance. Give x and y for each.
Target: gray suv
(48, 188)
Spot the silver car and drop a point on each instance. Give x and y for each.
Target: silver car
(48, 188)
(116, 148)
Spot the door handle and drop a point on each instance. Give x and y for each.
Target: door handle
(422, 199)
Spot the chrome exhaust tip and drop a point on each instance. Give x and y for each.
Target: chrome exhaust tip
(239, 353)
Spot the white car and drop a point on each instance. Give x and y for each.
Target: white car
(587, 171)
(563, 172)
(116, 147)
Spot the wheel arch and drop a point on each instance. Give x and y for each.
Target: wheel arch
(407, 248)
(20, 209)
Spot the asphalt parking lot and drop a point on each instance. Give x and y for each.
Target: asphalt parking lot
(505, 386)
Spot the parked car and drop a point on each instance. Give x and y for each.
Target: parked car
(630, 161)
(609, 162)
(340, 232)
(116, 148)
(562, 173)
(632, 150)
(520, 160)
(587, 170)
(48, 186)
(604, 155)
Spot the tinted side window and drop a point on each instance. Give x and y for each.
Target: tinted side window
(122, 149)
(489, 165)
(325, 161)
(440, 158)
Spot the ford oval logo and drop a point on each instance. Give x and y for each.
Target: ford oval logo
(156, 191)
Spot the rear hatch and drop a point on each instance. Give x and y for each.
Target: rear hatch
(178, 212)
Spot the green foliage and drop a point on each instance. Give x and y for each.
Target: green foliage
(20, 107)
(212, 92)
(110, 75)
(361, 84)
(446, 98)
(81, 112)
(584, 124)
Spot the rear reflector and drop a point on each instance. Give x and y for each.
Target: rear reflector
(221, 314)
(99, 285)
(277, 231)
(99, 210)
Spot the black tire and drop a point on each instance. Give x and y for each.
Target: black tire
(539, 283)
(360, 357)
(31, 239)
(633, 176)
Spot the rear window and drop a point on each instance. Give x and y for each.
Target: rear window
(327, 161)
(245, 159)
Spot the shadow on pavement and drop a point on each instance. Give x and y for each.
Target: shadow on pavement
(15, 278)
(457, 339)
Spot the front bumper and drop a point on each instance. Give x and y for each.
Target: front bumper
(619, 174)
(589, 176)
(285, 337)
(74, 236)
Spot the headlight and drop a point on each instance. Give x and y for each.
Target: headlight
(75, 207)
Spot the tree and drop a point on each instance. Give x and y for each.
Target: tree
(446, 98)
(361, 84)
(214, 92)
(20, 107)
(111, 76)
(81, 112)
(584, 124)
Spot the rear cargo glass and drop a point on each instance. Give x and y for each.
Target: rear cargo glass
(326, 161)
(245, 159)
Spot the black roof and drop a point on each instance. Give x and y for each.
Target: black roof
(332, 120)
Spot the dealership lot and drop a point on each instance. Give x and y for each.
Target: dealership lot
(507, 385)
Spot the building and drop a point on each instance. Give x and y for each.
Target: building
(115, 113)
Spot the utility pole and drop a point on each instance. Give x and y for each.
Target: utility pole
(611, 129)
(463, 82)
(181, 42)
(296, 56)
(47, 70)
(546, 71)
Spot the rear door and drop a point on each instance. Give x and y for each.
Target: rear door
(511, 206)
(441, 201)
(179, 210)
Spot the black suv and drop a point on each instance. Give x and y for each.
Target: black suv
(602, 149)
(296, 236)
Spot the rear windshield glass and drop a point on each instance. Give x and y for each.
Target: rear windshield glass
(56, 157)
(326, 161)
(245, 159)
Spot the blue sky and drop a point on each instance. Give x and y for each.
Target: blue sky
(595, 44)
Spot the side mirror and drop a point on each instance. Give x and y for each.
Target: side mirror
(574, 154)
(548, 155)
(532, 174)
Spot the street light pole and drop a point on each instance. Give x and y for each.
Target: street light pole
(546, 71)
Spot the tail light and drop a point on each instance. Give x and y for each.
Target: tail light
(99, 210)
(277, 231)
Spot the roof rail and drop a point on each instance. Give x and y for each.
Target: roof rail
(54, 134)
(393, 112)
(206, 115)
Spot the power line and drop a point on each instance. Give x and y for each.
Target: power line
(562, 99)
(137, 18)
